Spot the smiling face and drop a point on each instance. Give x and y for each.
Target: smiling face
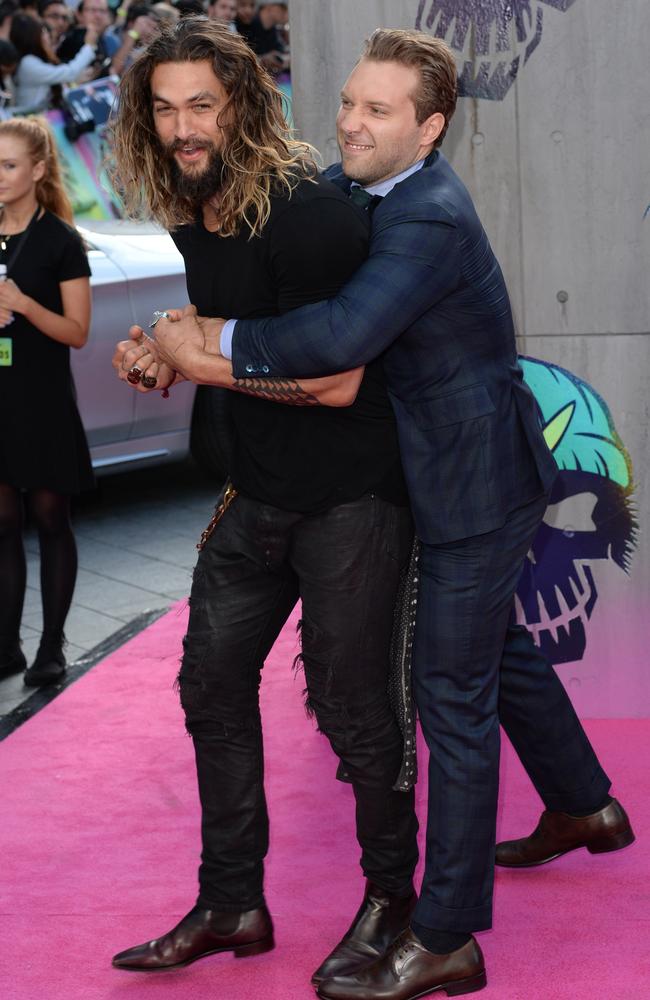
(18, 173)
(377, 129)
(187, 101)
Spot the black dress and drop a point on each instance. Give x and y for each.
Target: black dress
(42, 441)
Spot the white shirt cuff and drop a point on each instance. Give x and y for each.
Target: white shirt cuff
(227, 332)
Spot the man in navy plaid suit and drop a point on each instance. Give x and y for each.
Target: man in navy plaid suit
(432, 298)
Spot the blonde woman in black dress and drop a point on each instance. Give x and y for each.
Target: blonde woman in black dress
(44, 311)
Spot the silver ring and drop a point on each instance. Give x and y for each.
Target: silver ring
(158, 314)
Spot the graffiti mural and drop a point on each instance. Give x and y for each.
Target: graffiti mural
(494, 38)
(79, 132)
(590, 515)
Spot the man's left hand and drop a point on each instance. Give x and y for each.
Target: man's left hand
(180, 341)
(185, 340)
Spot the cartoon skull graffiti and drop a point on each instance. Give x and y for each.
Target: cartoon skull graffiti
(590, 515)
(494, 37)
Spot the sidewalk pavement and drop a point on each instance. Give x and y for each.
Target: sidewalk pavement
(136, 538)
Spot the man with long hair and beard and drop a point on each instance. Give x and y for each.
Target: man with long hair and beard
(319, 512)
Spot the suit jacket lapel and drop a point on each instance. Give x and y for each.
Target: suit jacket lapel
(336, 176)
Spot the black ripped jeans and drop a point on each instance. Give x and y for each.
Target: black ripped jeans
(344, 565)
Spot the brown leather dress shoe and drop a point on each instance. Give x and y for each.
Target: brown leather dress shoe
(380, 919)
(200, 933)
(558, 833)
(408, 971)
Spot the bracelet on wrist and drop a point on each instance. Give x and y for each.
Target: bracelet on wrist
(135, 35)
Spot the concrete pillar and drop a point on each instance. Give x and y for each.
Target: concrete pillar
(551, 138)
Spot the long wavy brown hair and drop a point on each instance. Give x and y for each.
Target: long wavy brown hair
(40, 143)
(259, 155)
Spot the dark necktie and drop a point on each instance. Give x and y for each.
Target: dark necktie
(366, 201)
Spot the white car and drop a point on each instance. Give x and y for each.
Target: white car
(136, 269)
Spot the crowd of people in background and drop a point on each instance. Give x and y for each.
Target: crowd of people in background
(46, 45)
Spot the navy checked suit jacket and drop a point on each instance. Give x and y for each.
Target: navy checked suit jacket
(432, 297)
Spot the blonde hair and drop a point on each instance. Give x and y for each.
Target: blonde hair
(434, 62)
(50, 190)
(259, 156)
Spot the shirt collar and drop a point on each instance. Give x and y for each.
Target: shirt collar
(383, 187)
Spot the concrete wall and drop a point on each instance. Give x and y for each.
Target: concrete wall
(551, 138)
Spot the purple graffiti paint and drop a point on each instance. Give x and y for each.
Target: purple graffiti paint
(591, 518)
(494, 38)
(558, 589)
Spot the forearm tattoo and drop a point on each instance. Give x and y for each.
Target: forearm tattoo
(280, 390)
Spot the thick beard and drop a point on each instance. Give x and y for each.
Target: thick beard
(197, 188)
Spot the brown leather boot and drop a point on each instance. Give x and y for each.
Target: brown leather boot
(558, 833)
(408, 971)
(200, 933)
(379, 920)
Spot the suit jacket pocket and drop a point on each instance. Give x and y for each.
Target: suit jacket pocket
(453, 408)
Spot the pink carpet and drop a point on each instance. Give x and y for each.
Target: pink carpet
(100, 845)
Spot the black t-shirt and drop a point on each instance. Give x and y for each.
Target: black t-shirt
(305, 459)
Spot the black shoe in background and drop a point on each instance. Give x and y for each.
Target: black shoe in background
(49, 665)
(12, 661)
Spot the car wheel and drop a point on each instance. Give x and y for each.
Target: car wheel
(211, 431)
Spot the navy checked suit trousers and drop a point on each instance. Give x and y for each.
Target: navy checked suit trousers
(473, 667)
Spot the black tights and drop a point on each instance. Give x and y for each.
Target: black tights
(50, 514)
